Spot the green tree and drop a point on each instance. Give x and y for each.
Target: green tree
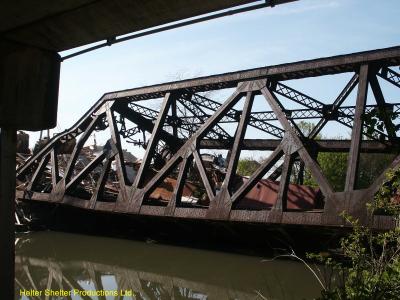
(247, 166)
(381, 118)
(334, 164)
(306, 128)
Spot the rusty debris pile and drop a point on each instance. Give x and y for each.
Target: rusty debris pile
(88, 185)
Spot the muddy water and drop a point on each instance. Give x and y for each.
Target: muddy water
(54, 262)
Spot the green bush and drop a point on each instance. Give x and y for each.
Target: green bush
(370, 264)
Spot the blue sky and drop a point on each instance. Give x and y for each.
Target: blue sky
(301, 30)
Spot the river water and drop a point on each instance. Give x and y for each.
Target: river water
(53, 262)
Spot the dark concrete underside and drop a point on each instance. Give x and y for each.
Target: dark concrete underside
(65, 24)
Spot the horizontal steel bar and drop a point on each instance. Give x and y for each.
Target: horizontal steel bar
(368, 146)
(302, 69)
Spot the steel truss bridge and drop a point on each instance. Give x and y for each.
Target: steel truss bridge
(191, 119)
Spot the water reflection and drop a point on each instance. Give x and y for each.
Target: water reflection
(60, 261)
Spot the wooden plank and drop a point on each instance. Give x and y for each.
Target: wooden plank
(354, 154)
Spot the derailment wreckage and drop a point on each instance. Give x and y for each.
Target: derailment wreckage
(262, 196)
(179, 123)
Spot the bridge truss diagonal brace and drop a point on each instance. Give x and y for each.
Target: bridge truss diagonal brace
(139, 190)
(390, 76)
(190, 148)
(180, 181)
(192, 105)
(58, 191)
(335, 106)
(258, 174)
(222, 204)
(119, 159)
(78, 147)
(90, 167)
(144, 124)
(153, 140)
(100, 183)
(382, 105)
(303, 153)
(36, 176)
(325, 116)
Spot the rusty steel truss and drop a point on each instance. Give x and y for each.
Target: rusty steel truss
(191, 119)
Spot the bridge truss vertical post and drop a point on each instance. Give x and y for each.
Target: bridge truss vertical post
(354, 155)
